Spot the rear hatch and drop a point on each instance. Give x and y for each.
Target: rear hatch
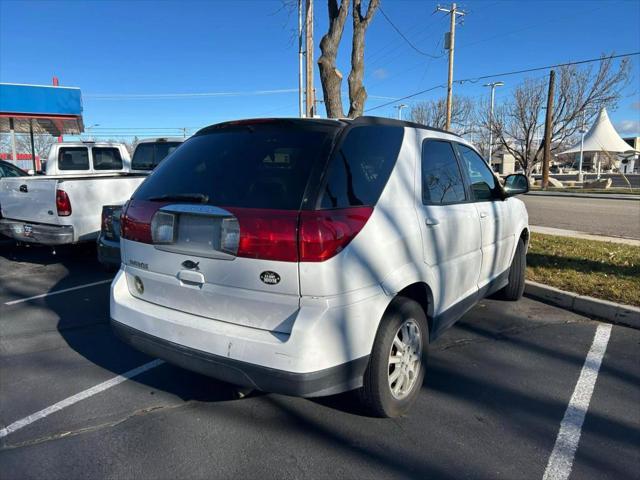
(213, 231)
(30, 199)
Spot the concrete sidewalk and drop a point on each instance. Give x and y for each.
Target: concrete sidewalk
(585, 236)
(607, 196)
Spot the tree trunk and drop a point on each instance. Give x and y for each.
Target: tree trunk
(330, 76)
(357, 92)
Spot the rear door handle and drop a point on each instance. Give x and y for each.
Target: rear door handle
(483, 214)
(190, 277)
(430, 222)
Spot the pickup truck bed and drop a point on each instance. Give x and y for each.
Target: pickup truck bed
(30, 205)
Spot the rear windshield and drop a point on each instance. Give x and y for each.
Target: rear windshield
(255, 166)
(106, 158)
(147, 156)
(73, 158)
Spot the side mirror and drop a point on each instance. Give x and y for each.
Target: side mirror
(515, 184)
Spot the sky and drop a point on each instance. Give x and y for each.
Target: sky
(119, 51)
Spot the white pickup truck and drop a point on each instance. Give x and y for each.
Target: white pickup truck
(65, 205)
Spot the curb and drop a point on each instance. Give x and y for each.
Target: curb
(602, 196)
(611, 312)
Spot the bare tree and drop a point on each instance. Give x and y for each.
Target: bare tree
(42, 144)
(330, 76)
(357, 92)
(434, 114)
(519, 123)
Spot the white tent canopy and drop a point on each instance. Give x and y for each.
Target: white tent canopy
(602, 137)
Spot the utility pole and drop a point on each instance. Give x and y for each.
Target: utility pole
(400, 107)
(493, 86)
(309, 51)
(547, 131)
(449, 43)
(300, 63)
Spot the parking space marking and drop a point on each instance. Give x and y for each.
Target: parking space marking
(78, 397)
(564, 450)
(64, 290)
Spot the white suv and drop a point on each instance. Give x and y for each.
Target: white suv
(310, 257)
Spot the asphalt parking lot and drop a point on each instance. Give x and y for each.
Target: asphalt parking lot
(496, 394)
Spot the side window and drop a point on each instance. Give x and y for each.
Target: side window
(483, 183)
(441, 178)
(106, 158)
(73, 158)
(361, 165)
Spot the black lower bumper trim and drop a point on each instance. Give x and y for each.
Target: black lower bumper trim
(330, 381)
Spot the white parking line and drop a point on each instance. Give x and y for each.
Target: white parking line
(48, 294)
(564, 450)
(78, 397)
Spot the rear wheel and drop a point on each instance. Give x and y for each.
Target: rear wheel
(398, 360)
(515, 288)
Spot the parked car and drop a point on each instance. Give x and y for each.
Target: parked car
(85, 158)
(8, 169)
(148, 153)
(310, 257)
(66, 209)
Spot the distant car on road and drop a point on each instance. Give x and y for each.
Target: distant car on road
(310, 257)
(147, 155)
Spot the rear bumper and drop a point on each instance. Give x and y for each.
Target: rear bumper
(37, 232)
(324, 382)
(108, 251)
(326, 352)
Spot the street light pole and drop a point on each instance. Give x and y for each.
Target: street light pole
(300, 63)
(89, 130)
(582, 132)
(493, 86)
(400, 107)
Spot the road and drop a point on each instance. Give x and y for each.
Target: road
(615, 218)
(497, 389)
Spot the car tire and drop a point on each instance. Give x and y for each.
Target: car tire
(404, 319)
(515, 288)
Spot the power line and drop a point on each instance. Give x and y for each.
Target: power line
(504, 74)
(404, 37)
(144, 96)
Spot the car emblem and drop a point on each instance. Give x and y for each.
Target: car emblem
(270, 278)
(191, 265)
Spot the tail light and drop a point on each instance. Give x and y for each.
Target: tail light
(106, 222)
(325, 233)
(281, 235)
(135, 222)
(63, 204)
(267, 234)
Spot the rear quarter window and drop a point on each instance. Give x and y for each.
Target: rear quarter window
(360, 166)
(73, 158)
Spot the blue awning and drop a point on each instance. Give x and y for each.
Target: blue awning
(46, 109)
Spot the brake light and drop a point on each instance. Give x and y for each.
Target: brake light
(136, 220)
(107, 221)
(267, 234)
(63, 204)
(325, 233)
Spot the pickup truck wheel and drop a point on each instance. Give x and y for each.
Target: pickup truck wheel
(393, 378)
(515, 288)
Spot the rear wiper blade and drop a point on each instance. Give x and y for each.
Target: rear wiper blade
(181, 197)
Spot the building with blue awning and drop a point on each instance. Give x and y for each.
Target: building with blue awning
(39, 109)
